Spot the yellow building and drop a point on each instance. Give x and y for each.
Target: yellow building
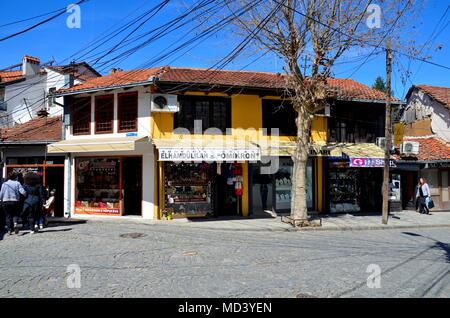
(222, 140)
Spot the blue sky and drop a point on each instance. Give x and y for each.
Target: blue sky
(55, 40)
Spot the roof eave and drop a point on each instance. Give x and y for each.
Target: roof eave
(103, 88)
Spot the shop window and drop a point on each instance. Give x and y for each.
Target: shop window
(98, 188)
(104, 114)
(431, 175)
(281, 115)
(445, 192)
(128, 112)
(214, 112)
(81, 116)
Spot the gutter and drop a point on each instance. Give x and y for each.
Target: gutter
(27, 143)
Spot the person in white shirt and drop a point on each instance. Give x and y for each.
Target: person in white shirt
(423, 192)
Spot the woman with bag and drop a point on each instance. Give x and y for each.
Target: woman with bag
(423, 193)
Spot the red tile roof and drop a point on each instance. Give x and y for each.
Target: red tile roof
(432, 148)
(10, 76)
(47, 129)
(439, 94)
(343, 88)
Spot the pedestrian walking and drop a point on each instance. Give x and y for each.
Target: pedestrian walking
(32, 205)
(10, 198)
(423, 192)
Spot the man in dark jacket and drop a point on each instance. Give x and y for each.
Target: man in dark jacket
(32, 206)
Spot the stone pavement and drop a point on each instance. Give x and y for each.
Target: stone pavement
(129, 258)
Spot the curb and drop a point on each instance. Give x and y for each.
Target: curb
(375, 227)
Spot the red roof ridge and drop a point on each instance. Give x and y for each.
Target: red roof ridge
(220, 70)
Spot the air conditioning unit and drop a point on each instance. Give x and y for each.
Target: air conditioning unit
(381, 142)
(409, 148)
(163, 103)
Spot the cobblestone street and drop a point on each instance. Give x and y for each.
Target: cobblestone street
(135, 259)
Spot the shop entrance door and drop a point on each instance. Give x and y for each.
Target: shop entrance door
(132, 185)
(226, 200)
(409, 182)
(54, 180)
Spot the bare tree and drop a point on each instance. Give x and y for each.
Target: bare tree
(322, 31)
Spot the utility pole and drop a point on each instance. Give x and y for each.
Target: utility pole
(388, 134)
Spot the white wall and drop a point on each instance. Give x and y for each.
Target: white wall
(34, 89)
(421, 106)
(144, 150)
(143, 116)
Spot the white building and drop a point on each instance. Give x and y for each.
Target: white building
(427, 111)
(24, 88)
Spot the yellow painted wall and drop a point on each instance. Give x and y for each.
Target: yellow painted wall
(319, 129)
(246, 113)
(161, 125)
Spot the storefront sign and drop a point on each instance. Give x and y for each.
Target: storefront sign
(437, 165)
(89, 210)
(209, 154)
(366, 162)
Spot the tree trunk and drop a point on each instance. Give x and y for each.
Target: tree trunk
(299, 206)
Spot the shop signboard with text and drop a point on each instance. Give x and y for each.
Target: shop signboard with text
(367, 162)
(208, 154)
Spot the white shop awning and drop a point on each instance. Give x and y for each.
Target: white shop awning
(96, 145)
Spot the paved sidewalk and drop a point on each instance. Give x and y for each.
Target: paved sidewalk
(337, 222)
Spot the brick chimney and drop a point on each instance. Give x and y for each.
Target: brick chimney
(30, 65)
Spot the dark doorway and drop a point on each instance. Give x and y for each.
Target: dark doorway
(409, 181)
(132, 185)
(226, 200)
(54, 180)
(371, 181)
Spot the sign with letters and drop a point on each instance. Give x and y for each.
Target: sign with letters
(367, 162)
(209, 154)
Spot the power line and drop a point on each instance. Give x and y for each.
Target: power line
(364, 42)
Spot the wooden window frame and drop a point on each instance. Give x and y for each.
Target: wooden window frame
(109, 96)
(74, 118)
(210, 99)
(119, 111)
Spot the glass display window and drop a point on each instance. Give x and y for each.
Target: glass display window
(188, 189)
(344, 190)
(283, 185)
(98, 186)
